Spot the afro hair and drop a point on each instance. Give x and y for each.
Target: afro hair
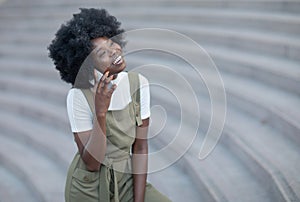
(72, 42)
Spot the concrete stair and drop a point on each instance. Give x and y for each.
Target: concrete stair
(42, 176)
(255, 46)
(251, 139)
(11, 179)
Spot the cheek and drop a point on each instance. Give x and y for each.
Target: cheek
(102, 62)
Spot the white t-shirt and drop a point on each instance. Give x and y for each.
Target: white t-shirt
(80, 114)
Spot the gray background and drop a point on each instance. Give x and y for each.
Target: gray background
(256, 47)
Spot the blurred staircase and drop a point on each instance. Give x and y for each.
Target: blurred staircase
(256, 47)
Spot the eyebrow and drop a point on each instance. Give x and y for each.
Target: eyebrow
(97, 51)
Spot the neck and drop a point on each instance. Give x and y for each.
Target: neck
(115, 76)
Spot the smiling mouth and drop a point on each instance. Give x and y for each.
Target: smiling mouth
(118, 60)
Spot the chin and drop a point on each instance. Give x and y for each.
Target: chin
(117, 70)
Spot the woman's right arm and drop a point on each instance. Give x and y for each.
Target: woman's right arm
(92, 144)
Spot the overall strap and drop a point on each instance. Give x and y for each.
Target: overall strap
(89, 96)
(135, 95)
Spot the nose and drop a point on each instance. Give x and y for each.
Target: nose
(113, 52)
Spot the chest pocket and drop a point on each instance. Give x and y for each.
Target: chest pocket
(121, 115)
(121, 122)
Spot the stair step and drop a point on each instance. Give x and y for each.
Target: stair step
(261, 67)
(272, 145)
(50, 21)
(275, 6)
(285, 162)
(57, 145)
(34, 52)
(225, 18)
(244, 63)
(258, 41)
(32, 68)
(37, 169)
(182, 185)
(35, 86)
(233, 172)
(166, 139)
(243, 39)
(278, 72)
(271, 106)
(12, 188)
(35, 108)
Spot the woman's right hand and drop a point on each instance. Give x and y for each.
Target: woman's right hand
(103, 93)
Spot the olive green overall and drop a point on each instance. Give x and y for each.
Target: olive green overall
(113, 182)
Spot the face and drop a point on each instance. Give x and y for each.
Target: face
(107, 56)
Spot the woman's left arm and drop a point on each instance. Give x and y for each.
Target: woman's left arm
(140, 161)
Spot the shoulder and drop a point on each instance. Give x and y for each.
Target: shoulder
(142, 79)
(74, 92)
(75, 95)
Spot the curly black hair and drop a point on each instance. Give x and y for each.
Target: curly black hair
(72, 42)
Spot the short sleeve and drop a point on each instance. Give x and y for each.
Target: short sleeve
(79, 113)
(144, 97)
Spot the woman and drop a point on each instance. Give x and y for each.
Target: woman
(108, 109)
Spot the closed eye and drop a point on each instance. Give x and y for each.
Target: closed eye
(101, 54)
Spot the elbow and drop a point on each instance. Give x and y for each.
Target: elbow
(140, 149)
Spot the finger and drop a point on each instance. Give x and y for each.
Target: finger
(95, 80)
(108, 79)
(109, 88)
(112, 89)
(105, 75)
(108, 84)
(95, 75)
(101, 82)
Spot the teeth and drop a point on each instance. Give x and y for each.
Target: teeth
(118, 60)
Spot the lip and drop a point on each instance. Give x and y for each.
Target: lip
(118, 60)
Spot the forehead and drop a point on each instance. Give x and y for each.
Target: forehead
(99, 41)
